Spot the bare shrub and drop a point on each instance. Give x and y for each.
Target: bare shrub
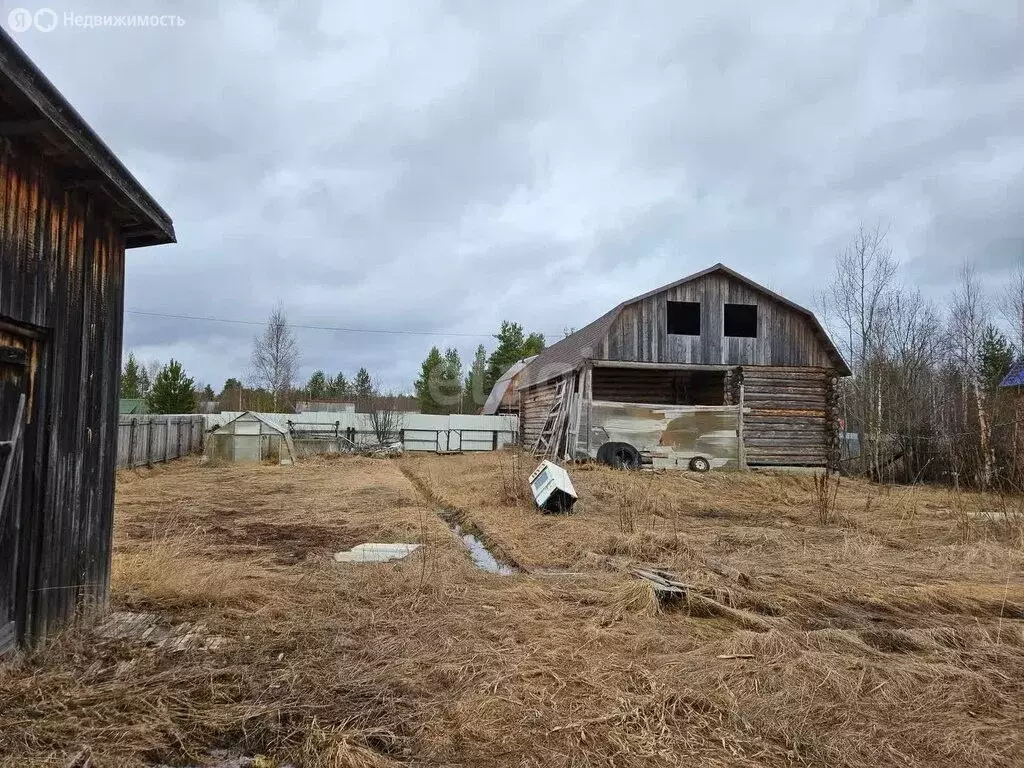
(962, 517)
(1011, 507)
(635, 501)
(513, 474)
(826, 491)
(385, 418)
(1002, 519)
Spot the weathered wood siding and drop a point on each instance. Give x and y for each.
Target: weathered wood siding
(61, 294)
(534, 405)
(791, 417)
(785, 336)
(146, 440)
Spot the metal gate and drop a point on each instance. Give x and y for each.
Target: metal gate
(13, 365)
(449, 441)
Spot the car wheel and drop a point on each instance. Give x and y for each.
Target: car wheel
(619, 455)
(699, 464)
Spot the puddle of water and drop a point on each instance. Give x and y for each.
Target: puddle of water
(478, 551)
(482, 557)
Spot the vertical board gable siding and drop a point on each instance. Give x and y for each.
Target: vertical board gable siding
(785, 336)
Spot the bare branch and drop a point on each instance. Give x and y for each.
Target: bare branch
(385, 417)
(855, 303)
(1011, 305)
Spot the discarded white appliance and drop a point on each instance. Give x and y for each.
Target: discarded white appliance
(375, 553)
(552, 488)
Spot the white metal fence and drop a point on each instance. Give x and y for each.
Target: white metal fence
(150, 439)
(143, 440)
(322, 432)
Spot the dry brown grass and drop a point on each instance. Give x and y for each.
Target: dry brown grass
(168, 571)
(891, 639)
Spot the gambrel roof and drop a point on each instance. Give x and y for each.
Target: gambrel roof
(585, 344)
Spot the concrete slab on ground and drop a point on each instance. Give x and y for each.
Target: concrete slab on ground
(371, 552)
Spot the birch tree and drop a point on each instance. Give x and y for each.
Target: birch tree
(856, 303)
(275, 356)
(1011, 306)
(967, 322)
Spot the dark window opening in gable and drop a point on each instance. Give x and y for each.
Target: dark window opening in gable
(684, 318)
(741, 320)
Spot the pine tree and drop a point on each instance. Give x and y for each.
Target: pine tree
(533, 345)
(173, 391)
(208, 393)
(231, 383)
(130, 378)
(230, 398)
(509, 349)
(427, 385)
(362, 384)
(316, 388)
(145, 383)
(512, 347)
(475, 394)
(451, 381)
(995, 356)
(339, 388)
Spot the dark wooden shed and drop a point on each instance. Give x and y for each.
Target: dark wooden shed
(711, 370)
(68, 211)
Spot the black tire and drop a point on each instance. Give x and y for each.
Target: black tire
(699, 464)
(619, 455)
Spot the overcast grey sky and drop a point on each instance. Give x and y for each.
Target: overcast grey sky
(440, 166)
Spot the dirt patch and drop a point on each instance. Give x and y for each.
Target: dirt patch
(288, 542)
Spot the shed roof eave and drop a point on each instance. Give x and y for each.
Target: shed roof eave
(18, 72)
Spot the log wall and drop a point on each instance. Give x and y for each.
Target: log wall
(791, 417)
(534, 405)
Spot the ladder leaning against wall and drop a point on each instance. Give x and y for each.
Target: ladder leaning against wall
(563, 419)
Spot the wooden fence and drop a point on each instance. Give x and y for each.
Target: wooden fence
(144, 440)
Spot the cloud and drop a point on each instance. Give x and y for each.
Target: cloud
(441, 166)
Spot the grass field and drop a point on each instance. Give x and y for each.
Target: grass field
(884, 629)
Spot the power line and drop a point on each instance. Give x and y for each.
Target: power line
(339, 329)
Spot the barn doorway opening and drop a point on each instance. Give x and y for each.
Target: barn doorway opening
(660, 386)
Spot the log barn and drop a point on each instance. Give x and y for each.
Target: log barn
(712, 370)
(68, 211)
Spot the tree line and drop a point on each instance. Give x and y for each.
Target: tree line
(443, 386)
(165, 388)
(924, 396)
(269, 385)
